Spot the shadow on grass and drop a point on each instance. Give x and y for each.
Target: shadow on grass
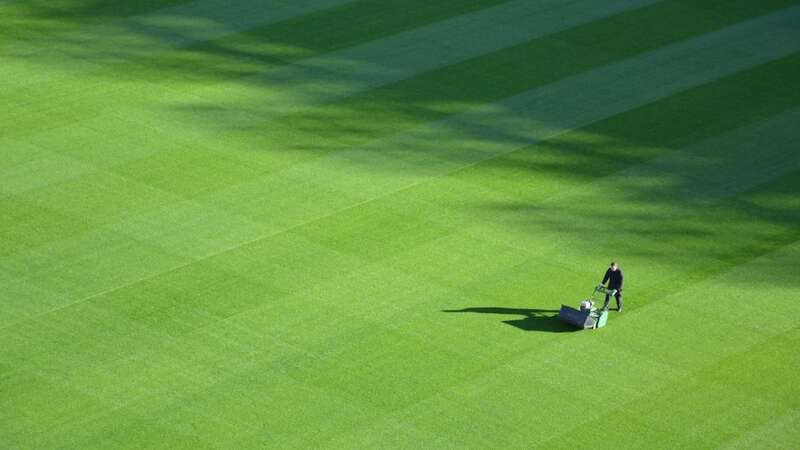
(532, 319)
(666, 198)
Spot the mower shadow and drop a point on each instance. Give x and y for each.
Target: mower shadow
(545, 320)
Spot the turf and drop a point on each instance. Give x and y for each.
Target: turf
(350, 224)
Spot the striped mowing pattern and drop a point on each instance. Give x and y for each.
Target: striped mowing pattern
(348, 224)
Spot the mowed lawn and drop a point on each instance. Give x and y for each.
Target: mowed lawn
(351, 223)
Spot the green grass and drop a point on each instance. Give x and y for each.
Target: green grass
(350, 224)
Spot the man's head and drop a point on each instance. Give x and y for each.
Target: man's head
(613, 266)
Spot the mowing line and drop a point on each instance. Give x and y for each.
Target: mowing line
(764, 324)
(652, 380)
(707, 178)
(611, 90)
(492, 130)
(356, 69)
(679, 179)
(423, 49)
(168, 28)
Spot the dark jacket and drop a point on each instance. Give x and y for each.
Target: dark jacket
(614, 278)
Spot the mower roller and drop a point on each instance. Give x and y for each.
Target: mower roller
(587, 317)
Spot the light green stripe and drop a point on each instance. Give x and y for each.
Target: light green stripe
(675, 187)
(719, 167)
(634, 371)
(777, 432)
(348, 179)
(92, 48)
(346, 72)
(435, 149)
(351, 177)
(356, 69)
(194, 22)
(287, 89)
(597, 94)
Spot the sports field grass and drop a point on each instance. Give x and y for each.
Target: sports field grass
(351, 223)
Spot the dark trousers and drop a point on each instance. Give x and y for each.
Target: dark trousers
(618, 296)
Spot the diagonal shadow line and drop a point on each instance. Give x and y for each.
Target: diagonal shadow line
(520, 323)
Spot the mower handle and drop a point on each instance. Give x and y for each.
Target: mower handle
(602, 289)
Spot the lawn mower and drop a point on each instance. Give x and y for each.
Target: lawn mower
(588, 316)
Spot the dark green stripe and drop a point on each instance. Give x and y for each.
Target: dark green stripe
(247, 53)
(674, 122)
(33, 19)
(488, 78)
(743, 231)
(353, 23)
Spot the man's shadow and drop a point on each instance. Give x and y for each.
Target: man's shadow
(532, 319)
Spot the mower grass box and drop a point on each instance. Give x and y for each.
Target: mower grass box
(587, 317)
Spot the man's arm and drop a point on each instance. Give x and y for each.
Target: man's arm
(620, 278)
(606, 277)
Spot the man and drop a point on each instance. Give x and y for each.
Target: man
(614, 278)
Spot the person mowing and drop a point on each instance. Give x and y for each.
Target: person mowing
(614, 278)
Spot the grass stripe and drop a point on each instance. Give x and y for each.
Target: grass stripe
(347, 71)
(150, 147)
(491, 142)
(402, 105)
(265, 44)
(453, 89)
(175, 26)
(342, 73)
(576, 163)
(645, 365)
(766, 324)
(659, 190)
(399, 106)
(90, 49)
(333, 30)
(490, 131)
(324, 276)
